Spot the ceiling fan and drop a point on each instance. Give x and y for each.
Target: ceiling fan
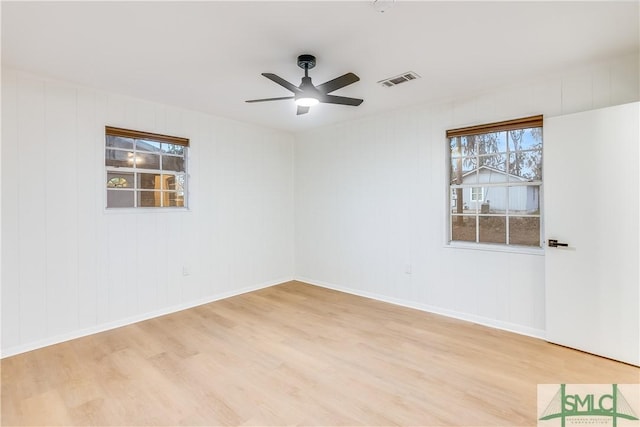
(307, 95)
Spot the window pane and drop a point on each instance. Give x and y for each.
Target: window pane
(117, 158)
(119, 142)
(490, 143)
(469, 165)
(468, 145)
(150, 181)
(524, 199)
(174, 199)
(181, 180)
(146, 145)
(532, 139)
(454, 147)
(169, 182)
(524, 231)
(172, 149)
(456, 170)
(463, 228)
(172, 163)
(149, 198)
(147, 161)
(525, 139)
(464, 145)
(495, 200)
(526, 165)
(119, 180)
(120, 199)
(456, 201)
(493, 168)
(473, 198)
(493, 229)
(463, 170)
(453, 199)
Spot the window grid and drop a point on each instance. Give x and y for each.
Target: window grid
(468, 165)
(170, 187)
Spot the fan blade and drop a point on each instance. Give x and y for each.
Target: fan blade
(269, 99)
(282, 82)
(302, 110)
(343, 100)
(337, 83)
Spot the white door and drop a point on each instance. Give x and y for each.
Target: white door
(591, 192)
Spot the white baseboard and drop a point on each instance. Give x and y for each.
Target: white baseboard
(485, 321)
(497, 324)
(23, 348)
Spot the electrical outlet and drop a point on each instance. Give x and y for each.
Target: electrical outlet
(185, 270)
(408, 269)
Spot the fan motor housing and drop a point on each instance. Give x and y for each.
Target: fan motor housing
(306, 61)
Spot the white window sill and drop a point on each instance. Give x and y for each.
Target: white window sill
(110, 211)
(496, 248)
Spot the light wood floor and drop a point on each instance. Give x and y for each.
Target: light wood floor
(294, 354)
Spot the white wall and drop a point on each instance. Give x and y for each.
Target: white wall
(371, 202)
(71, 268)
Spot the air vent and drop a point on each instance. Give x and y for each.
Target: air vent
(402, 78)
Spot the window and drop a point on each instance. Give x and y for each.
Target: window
(477, 194)
(495, 177)
(145, 170)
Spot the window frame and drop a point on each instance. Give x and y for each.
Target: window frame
(135, 171)
(474, 206)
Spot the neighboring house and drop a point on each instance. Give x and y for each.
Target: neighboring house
(491, 199)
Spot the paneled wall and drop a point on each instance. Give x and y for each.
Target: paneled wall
(367, 200)
(69, 267)
(371, 202)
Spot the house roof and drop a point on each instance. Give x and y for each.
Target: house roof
(208, 55)
(494, 170)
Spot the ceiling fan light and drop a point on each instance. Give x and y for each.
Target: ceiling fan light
(306, 102)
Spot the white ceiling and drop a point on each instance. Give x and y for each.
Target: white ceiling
(208, 56)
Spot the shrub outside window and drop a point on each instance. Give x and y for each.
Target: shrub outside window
(495, 177)
(145, 170)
